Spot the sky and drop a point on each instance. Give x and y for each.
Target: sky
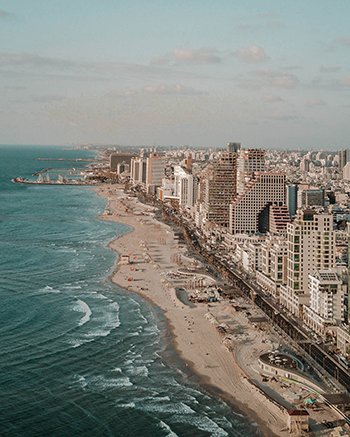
(266, 73)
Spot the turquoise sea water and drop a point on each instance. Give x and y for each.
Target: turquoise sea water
(78, 355)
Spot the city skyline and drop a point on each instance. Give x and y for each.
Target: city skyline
(266, 74)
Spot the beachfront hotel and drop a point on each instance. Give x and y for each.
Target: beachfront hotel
(310, 247)
(154, 172)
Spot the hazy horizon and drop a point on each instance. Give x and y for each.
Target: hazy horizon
(266, 74)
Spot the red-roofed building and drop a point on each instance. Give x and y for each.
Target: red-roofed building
(298, 420)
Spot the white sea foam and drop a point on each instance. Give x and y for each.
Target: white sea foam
(81, 381)
(151, 329)
(167, 428)
(49, 289)
(204, 423)
(78, 342)
(138, 371)
(130, 405)
(83, 307)
(158, 405)
(144, 361)
(99, 296)
(134, 334)
(103, 382)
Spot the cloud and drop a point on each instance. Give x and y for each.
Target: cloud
(329, 69)
(269, 15)
(118, 94)
(254, 86)
(36, 61)
(171, 89)
(265, 72)
(15, 87)
(4, 14)
(271, 78)
(270, 98)
(48, 98)
(316, 102)
(342, 40)
(254, 27)
(251, 54)
(189, 56)
(285, 81)
(293, 67)
(281, 117)
(45, 67)
(346, 80)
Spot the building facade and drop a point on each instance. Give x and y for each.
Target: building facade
(311, 244)
(155, 170)
(249, 212)
(219, 189)
(249, 161)
(326, 302)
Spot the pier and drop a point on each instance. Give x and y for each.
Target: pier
(20, 180)
(70, 160)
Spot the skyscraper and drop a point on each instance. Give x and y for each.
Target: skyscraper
(220, 188)
(292, 193)
(343, 158)
(233, 147)
(249, 161)
(249, 211)
(155, 170)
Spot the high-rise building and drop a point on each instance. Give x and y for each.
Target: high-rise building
(185, 186)
(219, 189)
(138, 170)
(292, 193)
(343, 158)
(249, 161)
(155, 170)
(249, 211)
(233, 147)
(120, 157)
(311, 243)
(311, 197)
(305, 165)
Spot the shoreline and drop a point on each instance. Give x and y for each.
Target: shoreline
(152, 248)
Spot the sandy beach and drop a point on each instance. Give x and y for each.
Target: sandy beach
(154, 254)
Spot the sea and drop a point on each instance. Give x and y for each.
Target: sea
(80, 356)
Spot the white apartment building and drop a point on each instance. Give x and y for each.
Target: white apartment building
(185, 186)
(252, 257)
(311, 244)
(249, 211)
(326, 302)
(138, 170)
